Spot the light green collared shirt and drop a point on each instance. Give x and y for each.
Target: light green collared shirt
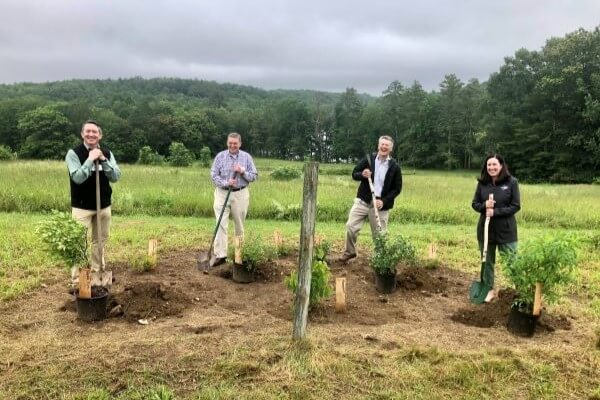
(79, 173)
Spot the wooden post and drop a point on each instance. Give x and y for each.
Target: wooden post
(277, 239)
(307, 234)
(85, 283)
(537, 301)
(237, 258)
(152, 249)
(340, 295)
(432, 250)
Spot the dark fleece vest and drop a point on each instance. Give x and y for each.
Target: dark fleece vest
(84, 194)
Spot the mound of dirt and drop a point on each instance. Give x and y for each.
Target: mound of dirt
(418, 278)
(496, 314)
(150, 300)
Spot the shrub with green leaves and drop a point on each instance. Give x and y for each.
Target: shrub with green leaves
(548, 259)
(388, 253)
(286, 173)
(179, 155)
(255, 252)
(149, 157)
(7, 154)
(319, 283)
(205, 156)
(65, 239)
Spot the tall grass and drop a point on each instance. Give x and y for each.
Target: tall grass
(427, 196)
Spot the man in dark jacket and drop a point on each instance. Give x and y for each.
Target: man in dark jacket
(81, 165)
(387, 183)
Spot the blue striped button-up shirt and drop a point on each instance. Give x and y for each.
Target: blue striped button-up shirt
(222, 169)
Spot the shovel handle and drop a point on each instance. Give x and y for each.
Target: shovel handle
(98, 211)
(537, 301)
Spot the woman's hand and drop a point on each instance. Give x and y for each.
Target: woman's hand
(489, 212)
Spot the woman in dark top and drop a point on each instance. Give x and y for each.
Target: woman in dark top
(502, 234)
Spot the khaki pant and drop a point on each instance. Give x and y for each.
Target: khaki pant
(237, 206)
(358, 213)
(88, 218)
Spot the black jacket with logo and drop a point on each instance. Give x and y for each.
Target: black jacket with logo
(392, 183)
(503, 225)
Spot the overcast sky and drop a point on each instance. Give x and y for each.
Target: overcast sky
(324, 45)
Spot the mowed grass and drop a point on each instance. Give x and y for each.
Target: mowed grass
(427, 196)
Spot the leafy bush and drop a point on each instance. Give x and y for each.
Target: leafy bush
(149, 157)
(290, 212)
(205, 156)
(319, 283)
(255, 252)
(179, 155)
(388, 253)
(65, 239)
(7, 154)
(143, 263)
(285, 173)
(548, 259)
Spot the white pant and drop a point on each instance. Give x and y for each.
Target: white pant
(358, 213)
(88, 218)
(237, 206)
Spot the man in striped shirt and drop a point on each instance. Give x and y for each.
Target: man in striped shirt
(232, 168)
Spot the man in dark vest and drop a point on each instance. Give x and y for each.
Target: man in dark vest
(387, 182)
(81, 164)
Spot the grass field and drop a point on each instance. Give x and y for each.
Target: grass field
(175, 205)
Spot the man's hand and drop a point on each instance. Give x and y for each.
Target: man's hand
(379, 204)
(96, 154)
(232, 182)
(366, 173)
(239, 169)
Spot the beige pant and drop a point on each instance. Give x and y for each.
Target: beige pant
(237, 206)
(358, 213)
(88, 218)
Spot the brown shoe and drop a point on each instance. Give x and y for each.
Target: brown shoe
(346, 257)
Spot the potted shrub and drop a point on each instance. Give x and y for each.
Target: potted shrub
(386, 256)
(66, 241)
(549, 262)
(320, 274)
(252, 253)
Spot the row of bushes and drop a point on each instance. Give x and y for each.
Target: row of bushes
(179, 156)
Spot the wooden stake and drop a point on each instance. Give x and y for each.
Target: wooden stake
(340, 295)
(277, 239)
(432, 250)
(238, 249)
(85, 283)
(537, 301)
(152, 248)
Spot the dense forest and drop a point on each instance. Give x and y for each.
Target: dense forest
(541, 110)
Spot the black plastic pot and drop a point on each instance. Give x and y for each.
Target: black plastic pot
(386, 283)
(242, 275)
(521, 323)
(94, 308)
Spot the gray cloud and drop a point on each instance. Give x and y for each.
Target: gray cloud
(272, 44)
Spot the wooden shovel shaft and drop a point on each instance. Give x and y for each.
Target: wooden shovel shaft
(486, 233)
(374, 204)
(98, 210)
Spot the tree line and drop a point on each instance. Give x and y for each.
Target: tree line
(541, 110)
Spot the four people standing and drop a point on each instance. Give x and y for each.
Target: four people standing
(233, 170)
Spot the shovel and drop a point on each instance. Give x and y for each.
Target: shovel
(479, 290)
(101, 278)
(206, 259)
(372, 188)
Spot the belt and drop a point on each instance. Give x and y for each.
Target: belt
(235, 189)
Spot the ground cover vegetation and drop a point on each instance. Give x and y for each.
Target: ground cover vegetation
(541, 110)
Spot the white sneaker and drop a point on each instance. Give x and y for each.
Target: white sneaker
(490, 296)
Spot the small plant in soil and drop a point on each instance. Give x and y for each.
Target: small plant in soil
(255, 252)
(65, 239)
(549, 260)
(319, 283)
(388, 253)
(143, 263)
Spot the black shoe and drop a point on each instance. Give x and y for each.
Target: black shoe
(72, 291)
(347, 257)
(219, 261)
